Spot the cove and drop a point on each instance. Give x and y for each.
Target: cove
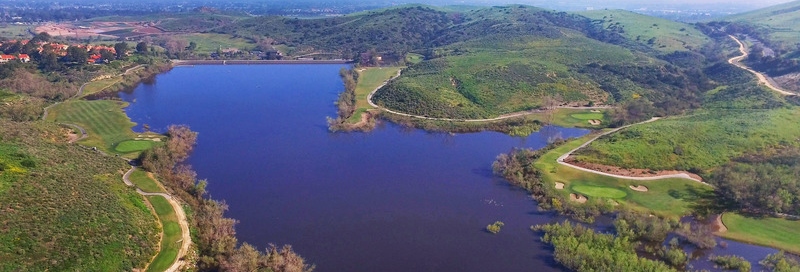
(394, 199)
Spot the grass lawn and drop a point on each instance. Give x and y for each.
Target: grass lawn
(702, 140)
(211, 42)
(668, 197)
(98, 86)
(171, 234)
(587, 116)
(597, 191)
(779, 233)
(140, 178)
(134, 146)
(104, 120)
(368, 80)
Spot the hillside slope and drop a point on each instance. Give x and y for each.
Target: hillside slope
(65, 208)
(491, 61)
(661, 34)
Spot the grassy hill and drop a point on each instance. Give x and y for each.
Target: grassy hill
(783, 21)
(661, 34)
(485, 62)
(65, 208)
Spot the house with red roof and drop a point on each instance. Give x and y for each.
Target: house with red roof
(24, 58)
(6, 58)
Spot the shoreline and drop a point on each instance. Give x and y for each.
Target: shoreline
(255, 62)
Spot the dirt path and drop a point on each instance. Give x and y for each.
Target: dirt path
(501, 117)
(186, 236)
(761, 77)
(561, 159)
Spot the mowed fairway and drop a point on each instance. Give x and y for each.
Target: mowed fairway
(368, 80)
(104, 120)
(171, 234)
(98, 86)
(769, 231)
(134, 146)
(140, 178)
(669, 197)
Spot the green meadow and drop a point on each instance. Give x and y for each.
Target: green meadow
(774, 232)
(669, 197)
(699, 141)
(171, 234)
(368, 80)
(104, 121)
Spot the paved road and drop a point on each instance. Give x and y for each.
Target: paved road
(186, 236)
(502, 117)
(564, 157)
(761, 77)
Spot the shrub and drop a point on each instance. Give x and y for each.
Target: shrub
(495, 227)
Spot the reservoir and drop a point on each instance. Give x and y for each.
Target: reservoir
(394, 199)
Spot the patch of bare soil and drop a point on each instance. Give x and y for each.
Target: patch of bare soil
(595, 122)
(716, 224)
(628, 172)
(639, 188)
(559, 186)
(72, 137)
(578, 198)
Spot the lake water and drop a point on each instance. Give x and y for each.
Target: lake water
(394, 199)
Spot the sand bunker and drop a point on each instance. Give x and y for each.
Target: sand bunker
(638, 188)
(559, 186)
(595, 122)
(577, 198)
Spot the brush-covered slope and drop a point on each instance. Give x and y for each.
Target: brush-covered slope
(65, 208)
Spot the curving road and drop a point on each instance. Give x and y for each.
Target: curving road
(561, 159)
(186, 236)
(761, 77)
(501, 117)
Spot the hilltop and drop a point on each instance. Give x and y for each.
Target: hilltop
(661, 34)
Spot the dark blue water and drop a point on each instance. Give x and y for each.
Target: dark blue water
(390, 200)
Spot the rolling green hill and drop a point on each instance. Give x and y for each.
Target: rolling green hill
(661, 34)
(485, 62)
(782, 21)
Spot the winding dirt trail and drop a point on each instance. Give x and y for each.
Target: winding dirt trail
(501, 117)
(186, 238)
(561, 159)
(761, 77)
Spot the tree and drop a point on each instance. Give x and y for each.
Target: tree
(106, 55)
(141, 47)
(76, 54)
(122, 49)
